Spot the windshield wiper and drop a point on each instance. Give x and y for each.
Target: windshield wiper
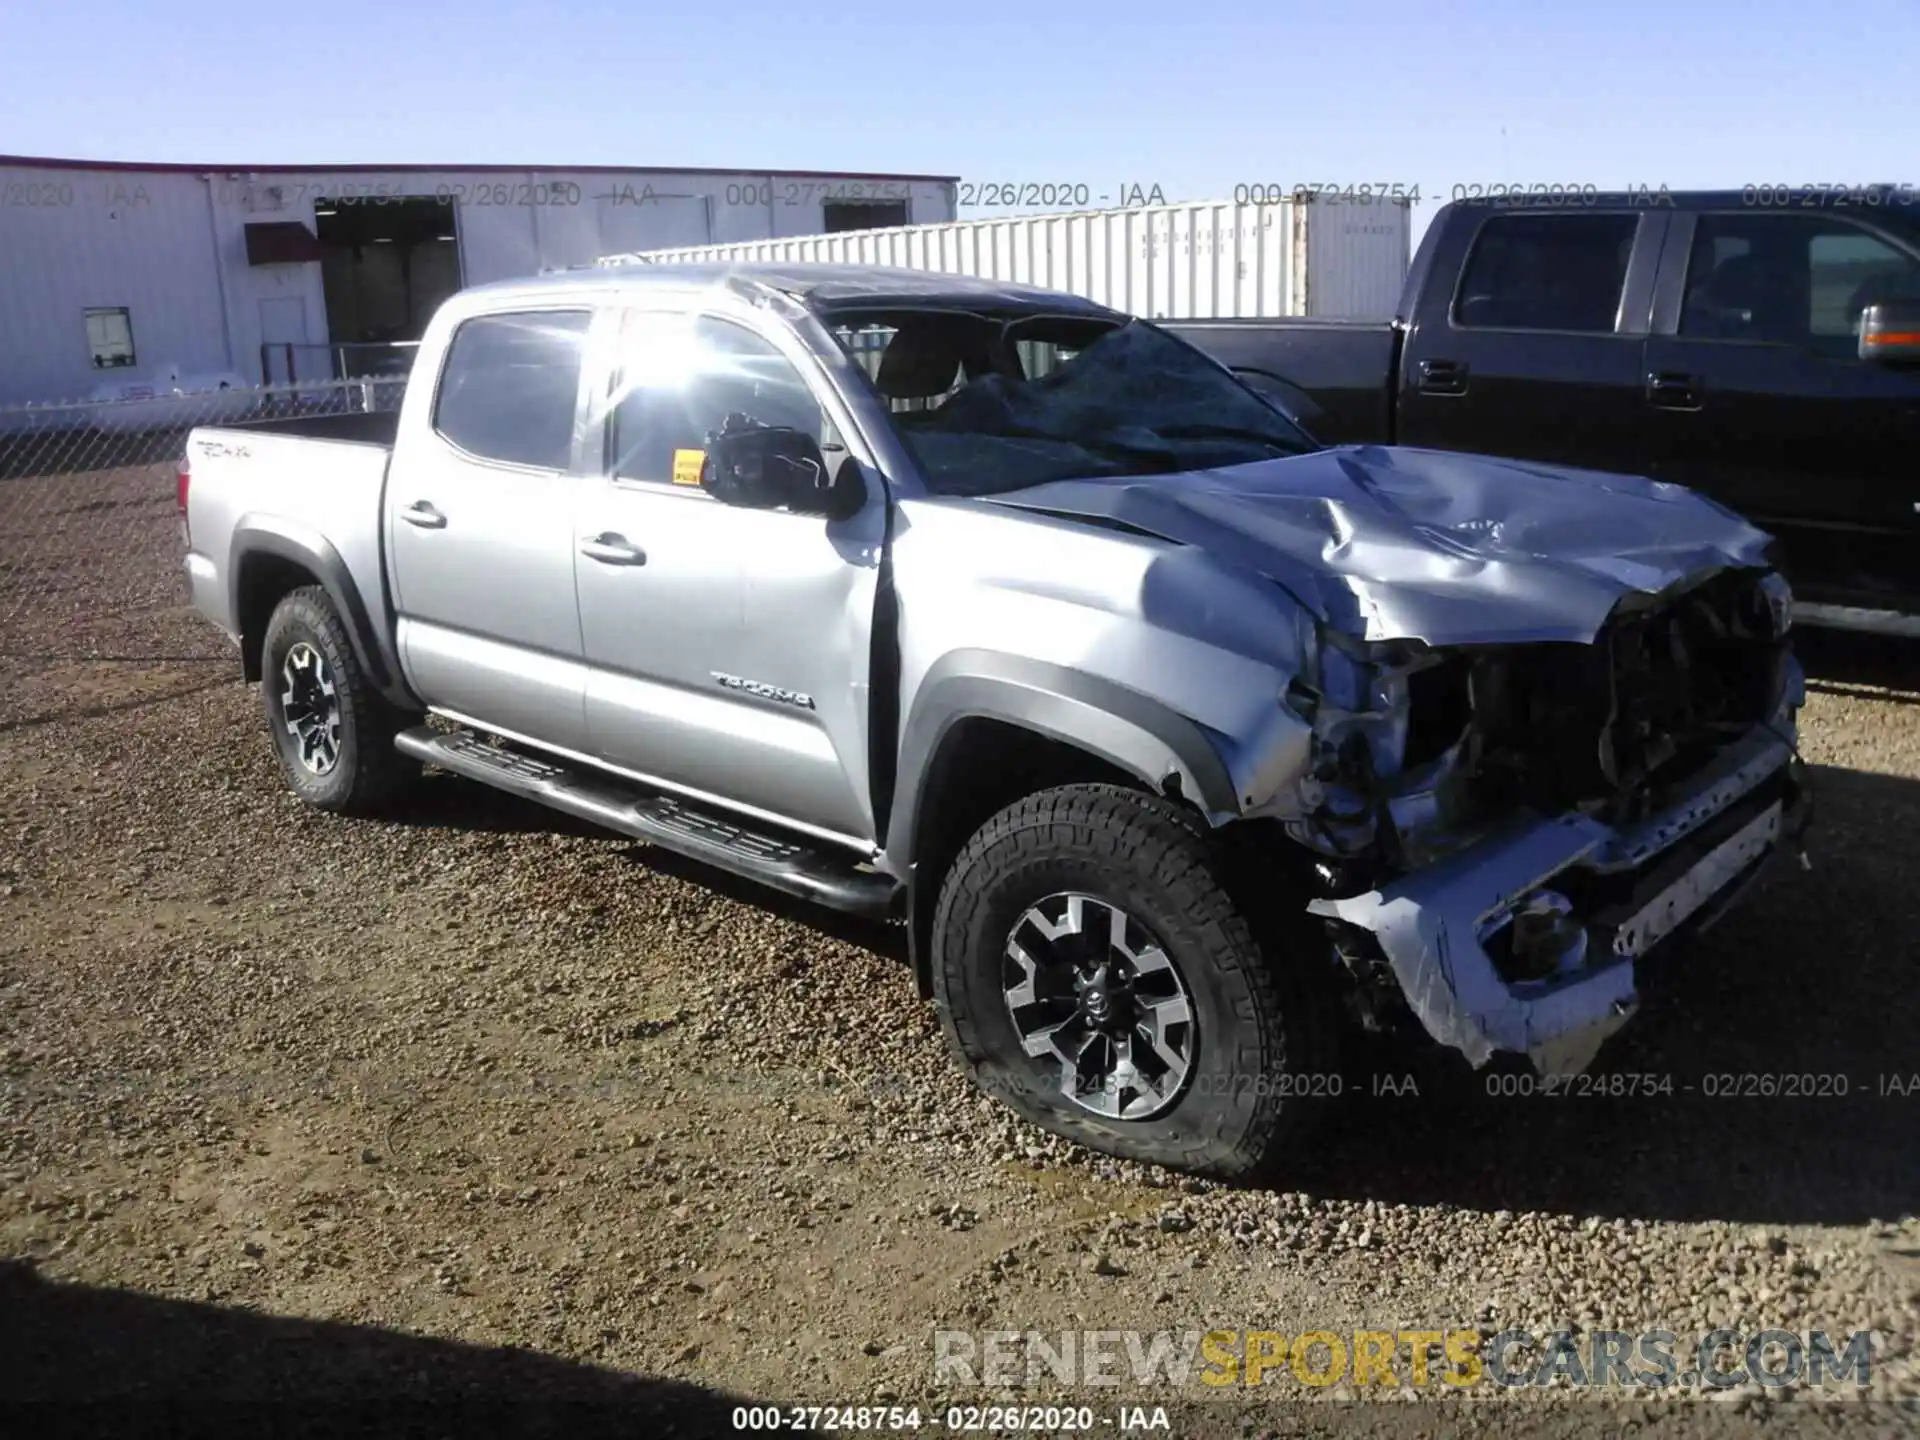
(1228, 432)
(1165, 462)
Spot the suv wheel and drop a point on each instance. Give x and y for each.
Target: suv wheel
(331, 729)
(1093, 974)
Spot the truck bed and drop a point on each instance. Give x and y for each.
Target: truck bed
(1335, 377)
(297, 477)
(364, 427)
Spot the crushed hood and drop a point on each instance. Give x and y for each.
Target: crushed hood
(1389, 543)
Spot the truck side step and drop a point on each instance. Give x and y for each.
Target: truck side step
(1856, 617)
(792, 864)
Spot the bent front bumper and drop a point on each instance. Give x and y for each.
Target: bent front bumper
(1672, 874)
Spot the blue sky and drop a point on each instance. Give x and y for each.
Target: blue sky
(1194, 96)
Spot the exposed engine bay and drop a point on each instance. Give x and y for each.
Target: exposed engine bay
(1449, 742)
(1515, 827)
(1528, 723)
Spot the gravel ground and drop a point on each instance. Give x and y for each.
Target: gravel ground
(473, 1101)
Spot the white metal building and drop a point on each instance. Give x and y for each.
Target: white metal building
(113, 273)
(1193, 261)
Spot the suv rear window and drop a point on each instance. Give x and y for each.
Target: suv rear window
(1546, 272)
(510, 384)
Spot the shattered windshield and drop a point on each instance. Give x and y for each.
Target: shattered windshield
(992, 403)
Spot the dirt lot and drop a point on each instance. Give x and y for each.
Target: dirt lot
(476, 1102)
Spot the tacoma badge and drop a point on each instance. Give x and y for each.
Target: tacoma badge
(765, 691)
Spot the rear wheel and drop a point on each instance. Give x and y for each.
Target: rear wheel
(333, 732)
(1094, 974)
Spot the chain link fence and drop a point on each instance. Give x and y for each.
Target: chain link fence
(90, 538)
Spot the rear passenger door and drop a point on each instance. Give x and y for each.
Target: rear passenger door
(479, 528)
(1758, 396)
(1536, 351)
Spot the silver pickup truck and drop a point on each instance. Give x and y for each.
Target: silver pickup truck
(1180, 742)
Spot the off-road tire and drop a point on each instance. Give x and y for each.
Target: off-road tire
(1262, 1070)
(367, 773)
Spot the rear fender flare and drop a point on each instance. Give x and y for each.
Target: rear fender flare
(286, 539)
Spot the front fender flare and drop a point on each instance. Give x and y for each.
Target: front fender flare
(1135, 732)
(1131, 731)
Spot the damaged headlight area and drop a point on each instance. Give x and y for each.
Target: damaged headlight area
(1390, 725)
(1419, 751)
(1508, 830)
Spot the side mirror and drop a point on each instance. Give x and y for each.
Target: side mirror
(777, 467)
(1890, 332)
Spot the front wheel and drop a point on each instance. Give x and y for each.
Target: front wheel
(1093, 973)
(332, 731)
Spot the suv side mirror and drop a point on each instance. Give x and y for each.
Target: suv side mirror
(774, 467)
(1890, 332)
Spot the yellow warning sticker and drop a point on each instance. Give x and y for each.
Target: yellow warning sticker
(687, 465)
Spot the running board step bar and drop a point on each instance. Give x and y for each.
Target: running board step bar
(1857, 618)
(700, 833)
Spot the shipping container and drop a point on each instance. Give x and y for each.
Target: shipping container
(1201, 260)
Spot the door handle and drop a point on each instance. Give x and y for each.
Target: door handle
(610, 549)
(1671, 390)
(424, 515)
(1442, 377)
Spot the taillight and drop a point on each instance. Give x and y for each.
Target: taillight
(182, 478)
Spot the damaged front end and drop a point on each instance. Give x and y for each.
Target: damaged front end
(1507, 830)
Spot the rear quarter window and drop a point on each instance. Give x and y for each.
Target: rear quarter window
(1546, 272)
(510, 385)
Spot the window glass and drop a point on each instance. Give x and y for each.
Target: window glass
(837, 215)
(993, 400)
(865, 344)
(1546, 272)
(681, 379)
(1790, 280)
(510, 384)
(1850, 271)
(1043, 357)
(914, 374)
(917, 359)
(110, 337)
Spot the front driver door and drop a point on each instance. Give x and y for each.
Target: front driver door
(1768, 408)
(727, 648)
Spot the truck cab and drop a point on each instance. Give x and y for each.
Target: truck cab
(1761, 347)
(1713, 342)
(1177, 741)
